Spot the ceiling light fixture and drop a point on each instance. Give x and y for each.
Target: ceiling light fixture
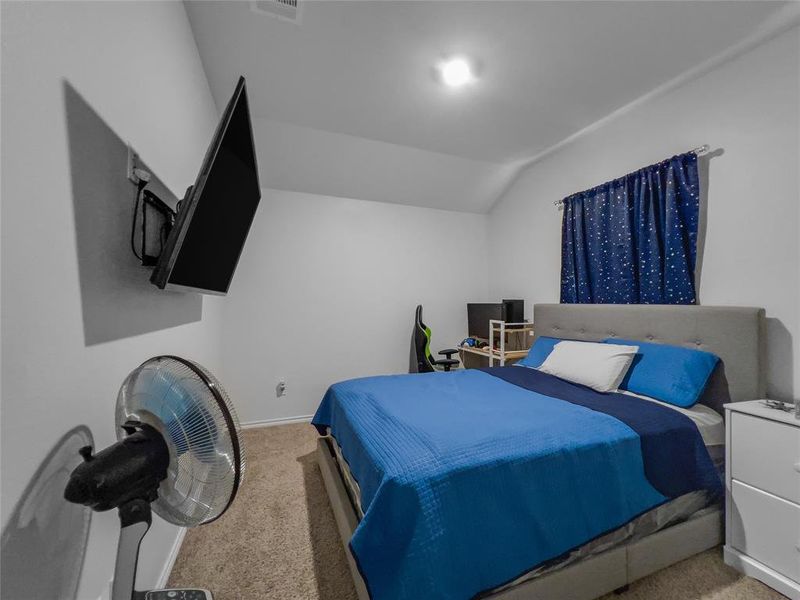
(456, 72)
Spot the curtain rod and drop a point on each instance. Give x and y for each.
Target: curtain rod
(699, 151)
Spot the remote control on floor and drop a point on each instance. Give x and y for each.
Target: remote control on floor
(178, 594)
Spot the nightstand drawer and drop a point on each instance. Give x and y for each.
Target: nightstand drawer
(766, 528)
(766, 455)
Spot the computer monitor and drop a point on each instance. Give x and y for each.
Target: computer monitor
(514, 311)
(478, 316)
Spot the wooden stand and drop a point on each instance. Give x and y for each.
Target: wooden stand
(500, 334)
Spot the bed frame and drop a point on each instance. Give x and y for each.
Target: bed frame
(735, 334)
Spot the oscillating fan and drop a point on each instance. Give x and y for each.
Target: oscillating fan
(179, 452)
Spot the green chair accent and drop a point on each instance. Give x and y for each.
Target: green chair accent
(421, 359)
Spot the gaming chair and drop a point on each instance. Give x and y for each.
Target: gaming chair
(421, 359)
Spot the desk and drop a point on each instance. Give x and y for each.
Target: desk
(495, 354)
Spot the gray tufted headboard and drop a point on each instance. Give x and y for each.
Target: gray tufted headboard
(736, 334)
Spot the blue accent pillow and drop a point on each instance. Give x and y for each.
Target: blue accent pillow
(668, 373)
(540, 350)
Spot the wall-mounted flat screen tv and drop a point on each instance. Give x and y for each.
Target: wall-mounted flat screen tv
(212, 222)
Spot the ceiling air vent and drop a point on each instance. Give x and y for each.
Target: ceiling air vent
(285, 10)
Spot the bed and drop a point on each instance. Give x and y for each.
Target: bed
(449, 524)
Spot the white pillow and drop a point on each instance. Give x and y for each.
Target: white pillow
(601, 367)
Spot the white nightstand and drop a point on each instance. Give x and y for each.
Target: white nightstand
(762, 500)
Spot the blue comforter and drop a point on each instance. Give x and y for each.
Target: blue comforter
(470, 479)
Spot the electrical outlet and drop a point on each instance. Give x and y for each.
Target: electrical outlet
(280, 389)
(133, 163)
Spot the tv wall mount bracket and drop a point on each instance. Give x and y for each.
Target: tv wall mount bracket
(154, 202)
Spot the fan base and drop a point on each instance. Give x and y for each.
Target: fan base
(179, 594)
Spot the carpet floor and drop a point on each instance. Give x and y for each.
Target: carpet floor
(279, 541)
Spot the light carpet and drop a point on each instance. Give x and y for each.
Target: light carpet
(279, 540)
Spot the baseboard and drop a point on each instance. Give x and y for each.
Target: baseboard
(273, 422)
(173, 555)
(753, 568)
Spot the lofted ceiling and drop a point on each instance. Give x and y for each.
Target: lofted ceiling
(354, 80)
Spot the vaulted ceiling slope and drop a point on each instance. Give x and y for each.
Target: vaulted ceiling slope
(346, 102)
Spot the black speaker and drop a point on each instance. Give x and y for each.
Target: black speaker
(514, 311)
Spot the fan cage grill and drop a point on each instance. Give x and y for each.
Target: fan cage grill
(190, 408)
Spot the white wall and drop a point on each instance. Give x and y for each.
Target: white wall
(326, 290)
(137, 66)
(748, 111)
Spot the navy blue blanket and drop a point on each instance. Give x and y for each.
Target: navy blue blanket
(670, 442)
(470, 479)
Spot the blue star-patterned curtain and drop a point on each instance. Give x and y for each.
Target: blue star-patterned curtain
(633, 240)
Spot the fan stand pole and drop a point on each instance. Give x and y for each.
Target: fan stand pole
(135, 518)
